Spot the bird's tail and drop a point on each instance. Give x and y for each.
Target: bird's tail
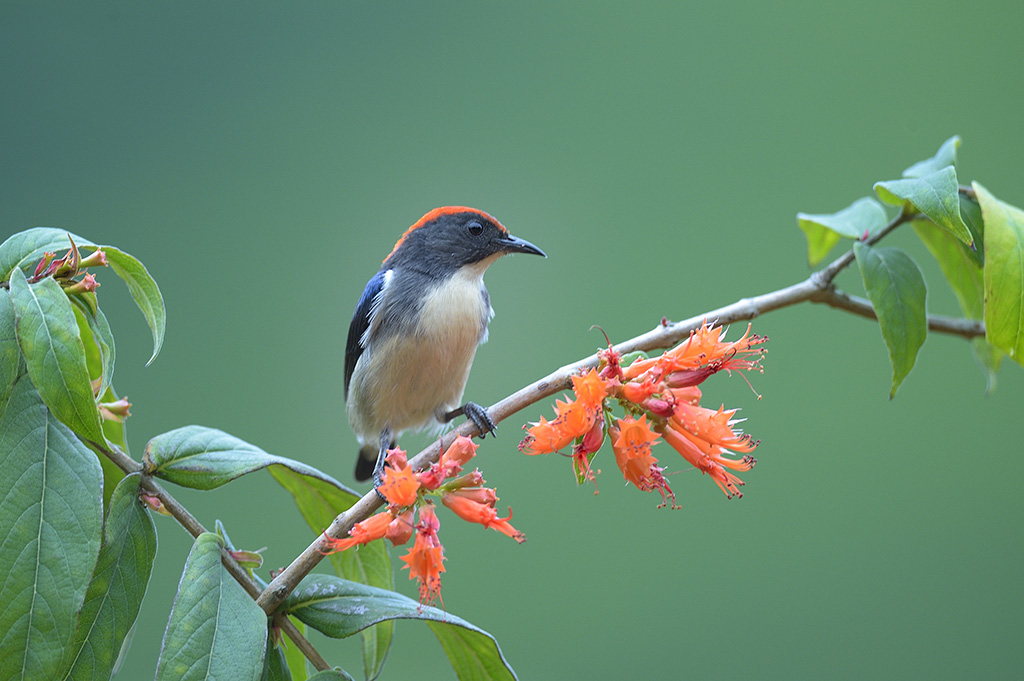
(365, 462)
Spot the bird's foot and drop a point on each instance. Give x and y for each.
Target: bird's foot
(386, 443)
(478, 415)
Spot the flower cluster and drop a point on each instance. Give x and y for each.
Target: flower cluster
(661, 399)
(64, 270)
(409, 511)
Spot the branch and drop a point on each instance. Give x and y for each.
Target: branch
(816, 288)
(968, 328)
(195, 528)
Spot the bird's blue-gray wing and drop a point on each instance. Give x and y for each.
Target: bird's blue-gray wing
(361, 322)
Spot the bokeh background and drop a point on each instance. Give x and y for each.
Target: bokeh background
(261, 159)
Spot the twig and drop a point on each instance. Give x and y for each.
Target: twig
(195, 528)
(968, 328)
(817, 288)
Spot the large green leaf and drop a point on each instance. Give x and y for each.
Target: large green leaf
(945, 156)
(144, 291)
(319, 502)
(26, 248)
(1004, 274)
(863, 216)
(206, 458)
(118, 585)
(10, 354)
(340, 608)
(937, 195)
(216, 632)
(965, 277)
(51, 517)
(897, 292)
(54, 353)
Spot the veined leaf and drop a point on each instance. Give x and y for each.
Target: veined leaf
(863, 216)
(216, 632)
(936, 195)
(965, 277)
(206, 458)
(1004, 274)
(339, 608)
(118, 585)
(51, 517)
(144, 291)
(897, 292)
(10, 353)
(945, 156)
(27, 247)
(54, 353)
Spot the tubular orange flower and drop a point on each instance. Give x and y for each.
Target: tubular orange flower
(704, 462)
(474, 512)
(632, 440)
(365, 532)
(401, 528)
(461, 450)
(425, 559)
(702, 354)
(713, 427)
(572, 420)
(399, 485)
(590, 389)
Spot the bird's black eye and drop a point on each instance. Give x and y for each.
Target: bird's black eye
(475, 228)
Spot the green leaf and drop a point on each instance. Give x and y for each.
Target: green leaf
(51, 520)
(118, 585)
(1004, 274)
(215, 631)
(864, 215)
(936, 195)
(897, 291)
(319, 502)
(970, 211)
(340, 608)
(10, 354)
(331, 675)
(98, 340)
(965, 277)
(24, 249)
(206, 458)
(54, 353)
(275, 666)
(144, 291)
(945, 156)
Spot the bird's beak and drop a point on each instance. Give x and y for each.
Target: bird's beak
(513, 244)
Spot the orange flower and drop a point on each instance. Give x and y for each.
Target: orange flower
(461, 450)
(590, 389)
(425, 559)
(365, 532)
(470, 510)
(702, 354)
(572, 420)
(631, 441)
(399, 484)
(707, 463)
(713, 427)
(401, 528)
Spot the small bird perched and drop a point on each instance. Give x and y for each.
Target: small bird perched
(416, 328)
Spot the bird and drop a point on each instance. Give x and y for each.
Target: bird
(416, 329)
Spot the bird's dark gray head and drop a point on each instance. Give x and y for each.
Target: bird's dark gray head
(448, 238)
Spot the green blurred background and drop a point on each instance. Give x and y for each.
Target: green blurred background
(261, 159)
